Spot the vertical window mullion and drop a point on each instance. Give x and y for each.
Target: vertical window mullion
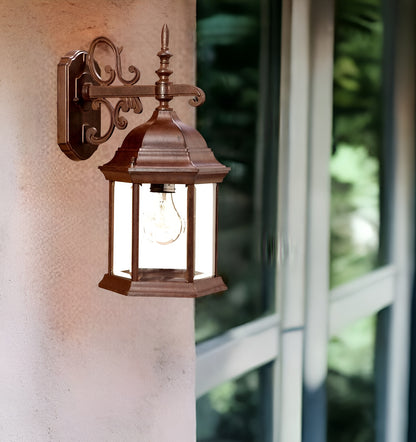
(318, 215)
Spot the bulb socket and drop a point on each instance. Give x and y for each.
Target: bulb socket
(162, 188)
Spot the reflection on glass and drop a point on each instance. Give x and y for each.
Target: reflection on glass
(357, 134)
(229, 52)
(235, 411)
(205, 211)
(350, 383)
(122, 229)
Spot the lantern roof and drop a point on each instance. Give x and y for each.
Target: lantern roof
(164, 150)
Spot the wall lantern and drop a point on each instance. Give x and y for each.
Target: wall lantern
(162, 180)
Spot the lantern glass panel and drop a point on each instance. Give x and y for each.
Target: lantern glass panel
(205, 229)
(122, 229)
(162, 228)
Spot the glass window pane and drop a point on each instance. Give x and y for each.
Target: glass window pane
(357, 140)
(205, 211)
(162, 230)
(236, 411)
(233, 54)
(122, 229)
(351, 383)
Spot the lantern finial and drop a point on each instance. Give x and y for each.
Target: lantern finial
(165, 37)
(163, 92)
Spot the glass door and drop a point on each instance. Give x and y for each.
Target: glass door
(310, 343)
(238, 67)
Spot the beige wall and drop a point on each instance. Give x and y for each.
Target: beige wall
(79, 363)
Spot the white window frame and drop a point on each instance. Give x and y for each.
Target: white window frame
(296, 338)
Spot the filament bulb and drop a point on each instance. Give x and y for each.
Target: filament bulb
(163, 223)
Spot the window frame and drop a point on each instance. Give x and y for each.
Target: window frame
(296, 338)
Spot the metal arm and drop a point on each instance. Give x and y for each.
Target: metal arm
(83, 91)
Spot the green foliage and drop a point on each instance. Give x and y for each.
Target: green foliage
(358, 74)
(351, 352)
(351, 416)
(231, 412)
(228, 70)
(355, 209)
(350, 383)
(354, 212)
(357, 134)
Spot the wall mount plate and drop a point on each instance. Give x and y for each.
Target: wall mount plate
(75, 115)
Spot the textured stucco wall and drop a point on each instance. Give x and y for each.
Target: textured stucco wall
(79, 363)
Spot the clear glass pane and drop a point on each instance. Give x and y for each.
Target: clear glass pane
(205, 214)
(357, 140)
(162, 228)
(351, 383)
(122, 238)
(236, 411)
(233, 63)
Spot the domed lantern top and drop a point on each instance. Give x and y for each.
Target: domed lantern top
(164, 149)
(163, 186)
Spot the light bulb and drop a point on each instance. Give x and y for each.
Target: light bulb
(162, 221)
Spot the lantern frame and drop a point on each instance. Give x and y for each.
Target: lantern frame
(161, 152)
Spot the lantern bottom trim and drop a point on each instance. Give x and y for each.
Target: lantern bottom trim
(172, 289)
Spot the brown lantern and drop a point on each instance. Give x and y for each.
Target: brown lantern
(162, 180)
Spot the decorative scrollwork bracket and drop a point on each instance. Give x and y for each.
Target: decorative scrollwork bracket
(83, 90)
